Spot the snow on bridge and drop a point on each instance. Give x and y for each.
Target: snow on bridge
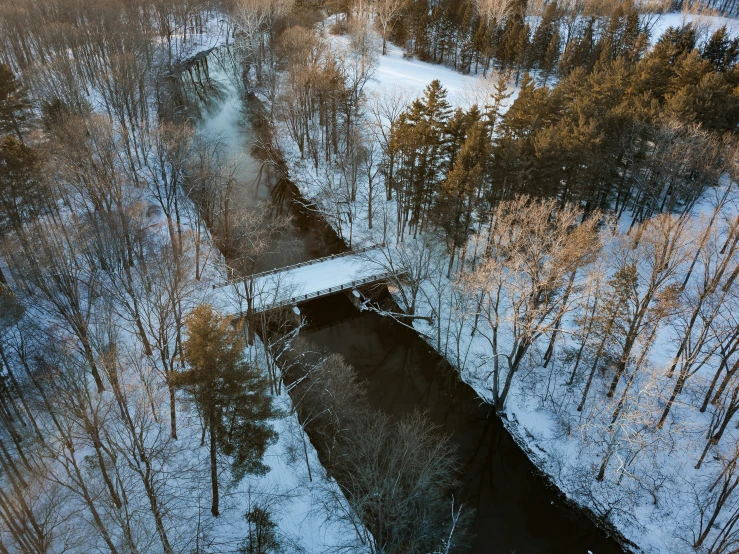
(298, 283)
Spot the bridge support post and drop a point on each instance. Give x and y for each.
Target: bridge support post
(297, 316)
(354, 296)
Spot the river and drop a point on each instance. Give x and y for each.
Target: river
(517, 511)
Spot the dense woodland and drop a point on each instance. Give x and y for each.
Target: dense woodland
(129, 406)
(572, 236)
(576, 244)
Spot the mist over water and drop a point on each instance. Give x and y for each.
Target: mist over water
(223, 114)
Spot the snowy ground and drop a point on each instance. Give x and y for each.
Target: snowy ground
(412, 76)
(706, 24)
(294, 489)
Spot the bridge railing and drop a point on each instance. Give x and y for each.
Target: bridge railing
(281, 303)
(303, 264)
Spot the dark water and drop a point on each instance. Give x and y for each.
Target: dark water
(516, 511)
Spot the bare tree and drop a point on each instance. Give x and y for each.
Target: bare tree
(386, 16)
(408, 265)
(720, 515)
(255, 20)
(167, 164)
(396, 475)
(494, 10)
(533, 252)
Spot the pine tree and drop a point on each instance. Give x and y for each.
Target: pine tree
(711, 102)
(675, 43)
(459, 191)
(230, 394)
(512, 46)
(13, 102)
(494, 110)
(483, 46)
(420, 138)
(549, 62)
(540, 42)
(611, 41)
(262, 533)
(434, 105)
(580, 52)
(721, 50)
(455, 132)
(634, 38)
(21, 191)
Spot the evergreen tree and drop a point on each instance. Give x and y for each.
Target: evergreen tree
(21, 190)
(634, 37)
(483, 46)
(494, 110)
(417, 33)
(534, 107)
(420, 140)
(513, 42)
(466, 41)
(676, 42)
(262, 537)
(13, 102)
(434, 106)
(610, 41)
(455, 132)
(230, 394)
(580, 52)
(721, 50)
(550, 57)
(543, 35)
(515, 153)
(460, 190)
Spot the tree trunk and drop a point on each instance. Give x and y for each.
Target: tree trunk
(213, 472)
(172, 408)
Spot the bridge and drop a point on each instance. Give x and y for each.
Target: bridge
(291, 285)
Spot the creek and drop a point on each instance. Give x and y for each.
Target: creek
(516, 509)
